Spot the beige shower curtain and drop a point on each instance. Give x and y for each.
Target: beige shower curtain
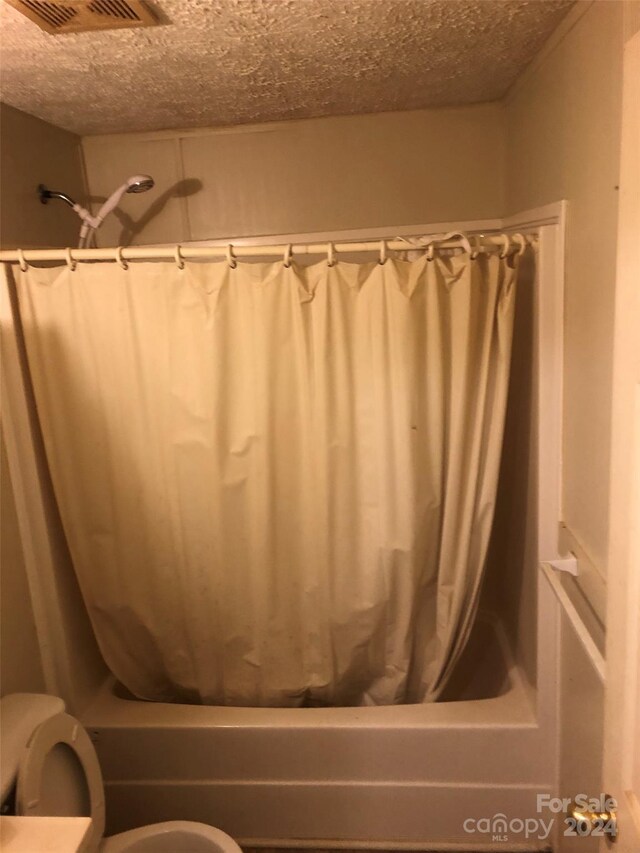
(277, 484)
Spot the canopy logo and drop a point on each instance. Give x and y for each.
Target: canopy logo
(500, 827)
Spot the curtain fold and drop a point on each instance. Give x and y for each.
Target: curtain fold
(277, 484)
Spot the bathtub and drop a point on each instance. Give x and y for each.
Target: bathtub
(395, 777)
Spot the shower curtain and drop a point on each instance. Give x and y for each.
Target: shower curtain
(277, 483)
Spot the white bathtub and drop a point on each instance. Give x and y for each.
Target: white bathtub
(397, 776)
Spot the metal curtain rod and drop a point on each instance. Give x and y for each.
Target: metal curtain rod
(473, 244)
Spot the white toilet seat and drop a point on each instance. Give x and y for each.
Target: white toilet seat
(174, 836)
(43, 777)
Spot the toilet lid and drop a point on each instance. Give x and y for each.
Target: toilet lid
(59, 774)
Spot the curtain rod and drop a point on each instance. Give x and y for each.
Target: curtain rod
(473, 244)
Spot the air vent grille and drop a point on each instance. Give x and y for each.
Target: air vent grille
(55, 14)
(78, 16)
(114, 8)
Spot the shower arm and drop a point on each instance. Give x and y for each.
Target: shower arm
(90, 221)
(45, 194)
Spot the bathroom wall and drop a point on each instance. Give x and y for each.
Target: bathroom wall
(563, 138)
(33, 152)
(323, 174)
(563, 141)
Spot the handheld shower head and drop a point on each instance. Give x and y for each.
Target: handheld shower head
(140, 184)
(134, 184)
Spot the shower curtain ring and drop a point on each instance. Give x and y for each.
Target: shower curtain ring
(24, 266)
(474, 246)
(465, 243)
(521, 240)
(287, 256)
(230, 257)
(71, 263)
(383, 252)
(120, 259)
(330, 257)
(179, 258)
(431, 249)
(504, 251)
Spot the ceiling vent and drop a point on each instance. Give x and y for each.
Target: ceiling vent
(81, 16)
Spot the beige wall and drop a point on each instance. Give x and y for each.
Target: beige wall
(321, 174)
(563, 137)
(33, 152)
(563, 141)
(20, 662)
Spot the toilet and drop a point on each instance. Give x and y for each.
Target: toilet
(48, 759)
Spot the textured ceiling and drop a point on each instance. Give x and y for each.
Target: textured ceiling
(235, 61)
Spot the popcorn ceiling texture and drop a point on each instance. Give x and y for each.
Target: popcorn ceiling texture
(236, 61)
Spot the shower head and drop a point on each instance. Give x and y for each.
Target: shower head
(134, 184)
(140, 184)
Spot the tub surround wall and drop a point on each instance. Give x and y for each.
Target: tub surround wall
(327, 174)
